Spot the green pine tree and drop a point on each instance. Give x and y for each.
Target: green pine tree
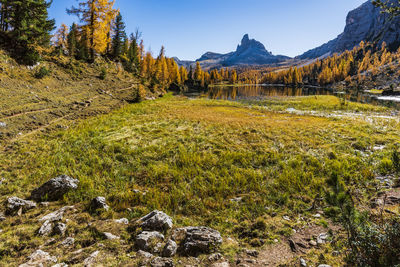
(118, 37)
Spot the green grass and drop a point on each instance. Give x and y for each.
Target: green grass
(317, 103)
(190, 157)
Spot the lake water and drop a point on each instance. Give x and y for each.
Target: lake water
(260, 92)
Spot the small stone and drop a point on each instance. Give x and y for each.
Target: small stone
(3, 124)
(122, 221)
(59, 229)
(145, 254)
(68, 242)
(89, 261)
(170, 249)
(99, 203)
(303, 262)
(161, 262)
(221, 264)
(46, 228)
(60, 265)
(155, 221)
(276, 240)
(215, 257)
(201, 240)
(317, 215)
(313, 243)
(56, 215)
(324, 265)
(110, 236)
(286, 218)
(15, 205)
(252, 253)
(145, 239)
(321, 239)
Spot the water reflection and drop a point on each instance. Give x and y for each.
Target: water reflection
(253, 92)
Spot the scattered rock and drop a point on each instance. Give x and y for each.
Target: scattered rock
(59, 229)
(161, 262)
(68, 242)
(122, 221)
(303, 262)
(39, 258)
(60, 265)
(3, 124)
(324, 265)
(221, 264)
(321, 239)
(2, 217)
(170, 249)
(155, 221)
(313, 243)
(286, 218)
(110, 236)
(99, 203)
(201, 240)
(215, 257)
(145, 240)
(57, 215)
(252, 253)
(144, 254)
(317, 215)
(89, 261)
(55, 188)
(46, 228)
(237, 199)
(15, 205)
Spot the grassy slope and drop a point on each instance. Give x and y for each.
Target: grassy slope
(191, 157)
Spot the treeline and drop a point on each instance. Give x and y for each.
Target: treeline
(351, 66)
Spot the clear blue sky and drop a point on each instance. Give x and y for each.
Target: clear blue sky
(189, 28)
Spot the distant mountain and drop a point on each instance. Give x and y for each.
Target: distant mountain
(365, 23)
(249, 52)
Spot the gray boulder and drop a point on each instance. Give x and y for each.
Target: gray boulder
(146, 240)
(200, 240)
(55, 188)
(16, 205)
(68, 242)
(155, 221)
(161, 262)
(170, 249)
(99, 203)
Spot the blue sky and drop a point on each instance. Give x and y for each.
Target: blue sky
(189, 28)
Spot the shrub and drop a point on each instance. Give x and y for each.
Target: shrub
(42, 72)
(385, 166)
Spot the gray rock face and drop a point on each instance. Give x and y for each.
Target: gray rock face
(145, 240)
(155, 221)
(365, 23)
(55, 188)
(99, 203)
(170, 249)
(15, 205)
(161, 262)
(200, 240)
(68, 242)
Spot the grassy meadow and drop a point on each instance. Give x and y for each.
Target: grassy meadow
(227, 165)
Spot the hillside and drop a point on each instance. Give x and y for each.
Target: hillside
(71, 90)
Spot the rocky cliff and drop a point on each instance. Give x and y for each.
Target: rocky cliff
(365, 23)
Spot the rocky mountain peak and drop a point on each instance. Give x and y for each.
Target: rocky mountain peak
(252, 44)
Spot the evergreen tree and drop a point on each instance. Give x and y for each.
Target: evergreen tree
(133, 56)
(119, 37)
(72, 40)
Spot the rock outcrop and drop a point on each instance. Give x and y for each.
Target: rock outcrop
(365, 23)
(155, 221)
(199, 240)
(55, 188)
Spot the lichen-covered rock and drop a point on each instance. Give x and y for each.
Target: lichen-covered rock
(200, 240)
(110, 236)
(68, 242)
(46, 228)
(55, 188)
(161, 262)
(170, 249)
(15, 205)
(155, 221)
(145, 240)
(90, 261)
(99, 203)
(56, 215)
